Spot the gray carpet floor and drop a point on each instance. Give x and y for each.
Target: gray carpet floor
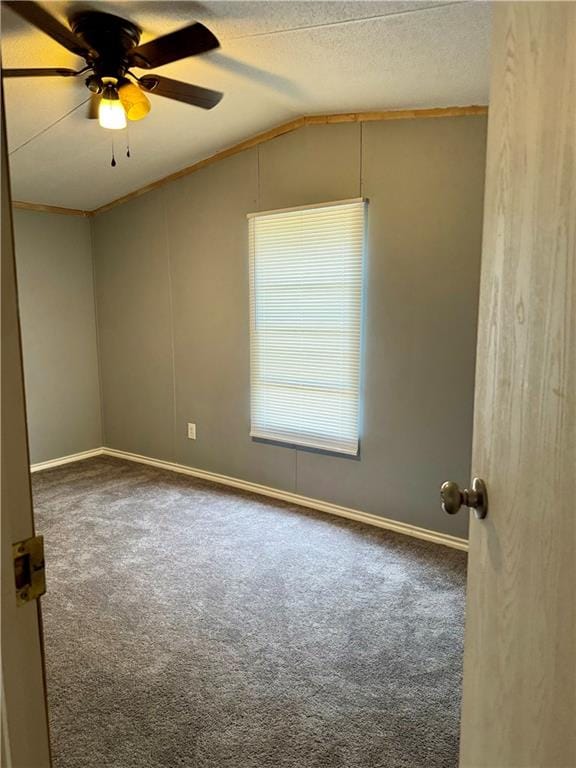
(188, 624)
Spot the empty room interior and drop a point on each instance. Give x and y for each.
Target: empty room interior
(248, 240)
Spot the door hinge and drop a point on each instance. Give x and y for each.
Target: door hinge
(29, 571)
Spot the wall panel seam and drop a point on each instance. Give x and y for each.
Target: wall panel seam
(98, 335)
(172, 331)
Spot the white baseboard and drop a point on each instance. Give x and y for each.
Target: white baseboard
(303, 501)
(263, 490)
(67, 459)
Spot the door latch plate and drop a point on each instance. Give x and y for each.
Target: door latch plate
(29, 570)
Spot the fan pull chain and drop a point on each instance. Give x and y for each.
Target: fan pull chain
(127, 142)
(113, 163)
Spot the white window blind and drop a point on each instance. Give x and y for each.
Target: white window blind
(305, 322)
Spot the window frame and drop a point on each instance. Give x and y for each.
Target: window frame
(302, 440)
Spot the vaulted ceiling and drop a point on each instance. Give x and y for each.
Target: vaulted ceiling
(278, 60)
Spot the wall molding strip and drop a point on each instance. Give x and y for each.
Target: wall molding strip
(49, 209)
(263, 490)
(293, 125)
(396, 114)
(260, 138)
(66, 459)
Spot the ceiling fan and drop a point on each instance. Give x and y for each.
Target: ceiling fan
(110, 46)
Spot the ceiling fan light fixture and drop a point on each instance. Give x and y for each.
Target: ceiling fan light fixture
(111, 45)
(136, 104)
(111, 113)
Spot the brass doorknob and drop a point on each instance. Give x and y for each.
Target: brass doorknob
(476, 498)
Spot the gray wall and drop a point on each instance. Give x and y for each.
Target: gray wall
(172, 297)
(57, 310)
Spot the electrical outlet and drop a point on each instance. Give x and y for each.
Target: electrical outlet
(191, 431)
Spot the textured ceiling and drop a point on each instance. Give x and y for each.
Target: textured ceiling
(278, 60)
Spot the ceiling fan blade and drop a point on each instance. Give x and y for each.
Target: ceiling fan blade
(186, 92)
(48, 72)
(38, 17)
(93, 106)
(185, 42)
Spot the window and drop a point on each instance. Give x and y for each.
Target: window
(305, 323)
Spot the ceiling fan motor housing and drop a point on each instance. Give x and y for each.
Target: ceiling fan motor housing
(110, 38)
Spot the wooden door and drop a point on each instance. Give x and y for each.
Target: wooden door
(24, 719)
(519, 705)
